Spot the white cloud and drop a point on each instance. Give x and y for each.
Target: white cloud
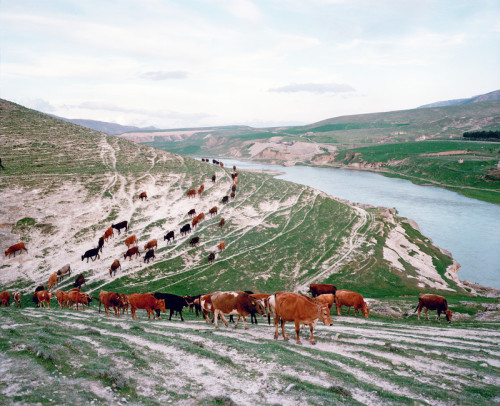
(164, 75)
(321, 88)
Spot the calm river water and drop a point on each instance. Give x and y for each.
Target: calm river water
(468, 228)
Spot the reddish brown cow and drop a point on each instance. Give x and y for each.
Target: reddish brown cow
(62, 298)
(124, 302)
(151, 244)
(143, 196)
(76, 297)
(264, 297)
(221, 246)
(299, 309)
(52, 281)
(191, 193)
(213, 211)
(317, 289)
(201, 216)
(132, 240)
(428, 301)
(132, 251)
(191, 212)
(327, 298)
(14, 248)
(195, 222)
(205, 303)
(108, 233)
(5, 298)
(44, 298)
(114, 267)
(235, 302)
(348, 298)
(17, 299)
(200, 190)
(110, 299)
(222, 222)
(145, 301)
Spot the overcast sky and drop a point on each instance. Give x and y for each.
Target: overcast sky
(193, 63)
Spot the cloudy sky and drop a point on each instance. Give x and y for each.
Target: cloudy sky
(192, 63)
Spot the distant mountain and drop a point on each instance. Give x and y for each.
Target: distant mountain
(108, 128)
(457, 102)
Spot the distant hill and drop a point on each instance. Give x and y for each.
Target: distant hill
(105, 127)
(457, 102)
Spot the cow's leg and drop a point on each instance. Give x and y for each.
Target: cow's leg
(182, 318)
(419, 309)
(283, 330)
(311, 327)
(171, 313)
(438, 318)
(223, 319)
(216, 318)
(297, 331)
(426, 315)
(237, 321)
(338, 309)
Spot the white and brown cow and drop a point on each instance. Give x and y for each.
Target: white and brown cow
(235, 302)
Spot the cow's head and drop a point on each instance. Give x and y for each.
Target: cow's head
(160, 305)
(324, 315)
(448, 315)
(258, 306)
(365, 311)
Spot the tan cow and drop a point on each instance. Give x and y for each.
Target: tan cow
(221, 246)
(52, 281)
(348, 298)
(132, 240)
(151, 244)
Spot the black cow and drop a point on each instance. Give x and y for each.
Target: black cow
(233, 188)
(79, 281)
(186, 228)
(172, 302)
(194, 241)
(191, 212)
(100, 244)
(213, 178)
(233, 195)
(211, 258)
(233, 175)
(170, 235)
(149, 255)
(190, 300)
(93, 254)
(119, 226)
(225, 199)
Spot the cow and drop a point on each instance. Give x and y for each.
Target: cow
(348, 298)
(222, 222)
(205, 302)
(132, 251)
(124, 302)
(215, 162)
(173, 302)
(108, 233)
(191, 193)
(233, 188)
(35, 298)
(62, 298)
(191, 303)
(66, 269)
(44, 298)
(233, 176)
(52, 281)
(290, 306)
(169, 236)
(221, 165)
(326, 298)
(5, 299)
(233, 195)
(264, 297)
(114, 267)
(132, 240)
(79, 281)
(110, 299)
(214, 178)
(92, 254)
(201, 216)
(151, 244)
(185, 229)
(149, 255)
(429, 301)
(225, 199)
(191, 212)
(211, 258)
(100, 243)
(221, 246)
(143, 196)
(213, 211)
(194, 241)
(120, 225)
(317, 289)
(195, 222)
(145, 301)
(235, 302)
(200, 190)
(14, 248)
(17, 299)
(76, 297)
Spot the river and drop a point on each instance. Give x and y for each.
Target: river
(468, 228)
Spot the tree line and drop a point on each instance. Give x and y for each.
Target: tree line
(493, 134)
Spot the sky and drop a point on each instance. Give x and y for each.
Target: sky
(262, 63)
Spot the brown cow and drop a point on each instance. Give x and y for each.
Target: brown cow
(76, 297)
(191, 193)
(317, 289)
(132, 240)
(221, 246)
(110, 299)
(299, 309)
(143, 196)
(213, 211)
(191, 212)
(264, 297)
(114, 267)
(44, 297)
(132, 251)
(14, 248)
(205, 303)
(235, 302)
(52, 281)
(151, 244)
(108, 233)
(200, 190)
(348, 298)
(327, 298)
(145, 301)
(428, 301)
(62, 298)
(124, 302)
(201, 216)
(222, 222)
(5, 298)
(195, 222)
(17, 299)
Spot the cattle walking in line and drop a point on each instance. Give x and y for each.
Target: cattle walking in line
(14, 248)
(185, 229)
(66, 269)
(191, 212)
(118, 226)
(348, 298)
(147, 302)
(143, 196)
(298, 308)
(17, 299)
(222, 222)
(317, 289)
(132, 251)
(114, 267)
(191, 193)
(44, 298)
(169, 236)
(149, 255)
(214, 178)
(173, 302)
(221, 246)
(131, 240)
(236, 302)
(92, 254)
(5, 298)
(52, 281)
(225, 199)
(429, 301)
(79, 281)
(151, 244)
(110, 299)
(108, 233)
(213, 211)
(211, 258)
(194, 241)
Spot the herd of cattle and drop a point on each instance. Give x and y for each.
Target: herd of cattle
(282, 306)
